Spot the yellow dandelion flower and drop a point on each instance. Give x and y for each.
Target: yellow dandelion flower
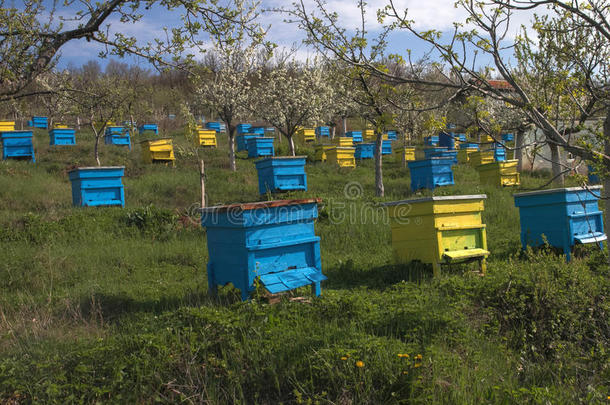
(405, 372)
(417, 365)
(399, 354)
(359, 364)
(343, 358)
(418, 357)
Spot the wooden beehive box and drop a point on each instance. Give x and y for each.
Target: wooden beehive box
(356, 136)
(499, 173)
(62, 135)
(439, 230)
(320, 152)
(116, 135)
(158, 150)
(341, 156)
(365, 150)
(206, 137)
(17, 145)
(562, 217)
(307, 134)
(431, 173)
(7, 126)
(148, 128)
(270, 242)
(97, 186)
(408, 152)
(260, 146)
(481, 157)
(285, 173)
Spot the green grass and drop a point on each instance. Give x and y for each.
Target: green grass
(111, 305)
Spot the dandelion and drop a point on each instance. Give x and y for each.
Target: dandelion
(418, 357)
(359, 364)
(405, 372)
(417, 365)
(343, 358)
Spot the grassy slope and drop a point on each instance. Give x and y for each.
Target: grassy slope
(111, 304)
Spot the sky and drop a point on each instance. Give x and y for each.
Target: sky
(427, 14)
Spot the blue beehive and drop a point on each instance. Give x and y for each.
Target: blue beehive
(148, 127)
(260, 146)
(499, 154)
(355, 135)
(97, 186)
(365, 150)
(592, 177)
(430, 173)
(17, 144)
(62, 136)
(284, 173)
(241, 141)
(257, 131)
(508, 137)
(39, 122)
(271, 241)
(447, 139)
(270, 129)
(562, 216)
(431, 140)
(469, 146)
(214, 125)
(243, 128)
(462, 137)
(386, 147)
(392, 136)
(323, 132)
(117, 136)
(430, 152)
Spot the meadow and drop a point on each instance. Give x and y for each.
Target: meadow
(111, 304)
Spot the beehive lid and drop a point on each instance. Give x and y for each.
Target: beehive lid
(557, 190)
(156, 139)
(280, 158)
(437, 198)
(96, 168)
(259, 205)
(343, 147)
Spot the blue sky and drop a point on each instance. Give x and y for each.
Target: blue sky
(427, 14)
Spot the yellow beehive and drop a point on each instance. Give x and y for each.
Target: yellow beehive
(368, 135)
(344, 141)
(499, 173)
(320, 152)
(158, 150)
(478, 157)
(486, 139)
(60, 126)
(463, 155)
(7, 126)
(341, 156)
(307, 134)
(408, 152)
(439, 230)
(205, 137)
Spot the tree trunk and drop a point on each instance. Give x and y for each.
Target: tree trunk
(379, 190)
(78, 123)
(606, 178)
(231, 131)
(332, 134)
(291, 145)
(96, 149)
(202, 179)
(404, 146)
(518, 148)
(344, 121)
(556, 165)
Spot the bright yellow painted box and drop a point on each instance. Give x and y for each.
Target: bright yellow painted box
(307, 134)
(439, 230)
(205, 137)
(463, 155)
(478, 157)
(320, 152)
(60, 126)
(158, 150)
(408, 152)
(7, 126)
(341, 156)
(499, 173)
(344, 141)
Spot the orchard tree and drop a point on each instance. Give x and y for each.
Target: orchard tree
(224, 84)
(32, 35)
(292, 95)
